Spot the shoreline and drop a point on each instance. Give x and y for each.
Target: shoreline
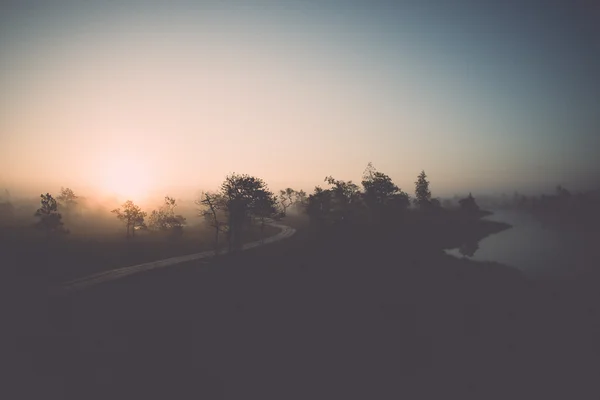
(486, 229)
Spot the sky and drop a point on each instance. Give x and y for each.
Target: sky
(138, 98)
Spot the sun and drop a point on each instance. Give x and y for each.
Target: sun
(128, 178)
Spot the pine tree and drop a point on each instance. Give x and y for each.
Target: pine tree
(422, 192)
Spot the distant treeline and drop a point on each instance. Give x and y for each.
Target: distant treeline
(562, 207)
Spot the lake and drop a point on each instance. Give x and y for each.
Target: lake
(535, 249)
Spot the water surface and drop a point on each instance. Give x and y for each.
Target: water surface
(536, 249)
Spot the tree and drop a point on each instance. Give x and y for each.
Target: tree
(67, 199)
(468, 205)
(164, 219)
(345, 198)
(263, 208)
(286, 199)
(50, 220)
(381, 194)
(242, 195)
(422, 193)
(290, 198)
(340, 203)
(369, 171)
(212, 206)
(301, 199)
(399, 201)
(318, 206)
(378, 187)
(132, 215)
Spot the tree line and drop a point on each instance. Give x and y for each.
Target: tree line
(377, 200)
(242, 201)
(582, 208)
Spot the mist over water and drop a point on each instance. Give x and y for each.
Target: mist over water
(537, 249)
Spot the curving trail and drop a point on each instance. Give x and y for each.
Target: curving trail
(107, 276)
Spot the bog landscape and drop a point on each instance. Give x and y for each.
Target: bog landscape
(300, 200)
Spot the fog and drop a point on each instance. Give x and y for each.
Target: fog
(90, 217)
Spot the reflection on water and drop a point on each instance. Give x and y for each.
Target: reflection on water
(534, 248)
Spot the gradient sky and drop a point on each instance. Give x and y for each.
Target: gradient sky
(136, 97)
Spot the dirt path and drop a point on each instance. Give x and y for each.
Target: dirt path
(107, 276)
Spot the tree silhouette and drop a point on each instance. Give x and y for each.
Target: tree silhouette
(131, 215)
(399, 201)
(67, 199)
(290, 198)
(422, 193)
(345, 198)
(318, 206)
(369, 171)
(263, 208)
(300, 199)
(164, 219)
(50, 220)
(243, 195)
(286, 199)
(212, 206)
(378, 187)
(381, 195)
(468, 205)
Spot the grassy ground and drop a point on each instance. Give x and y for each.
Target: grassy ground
(76, 255)
(349, 312)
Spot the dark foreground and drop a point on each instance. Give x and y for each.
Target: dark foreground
(350, 315)
(76, 256)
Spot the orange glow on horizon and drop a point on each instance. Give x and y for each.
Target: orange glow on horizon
(126, 177)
